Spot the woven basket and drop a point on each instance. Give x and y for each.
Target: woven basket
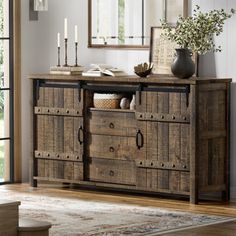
(107, 103)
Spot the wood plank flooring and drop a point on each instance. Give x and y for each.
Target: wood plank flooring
(209, 207)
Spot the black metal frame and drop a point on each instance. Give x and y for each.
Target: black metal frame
(104, 88)
(11, 92)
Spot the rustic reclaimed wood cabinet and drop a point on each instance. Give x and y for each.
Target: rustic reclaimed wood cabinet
(175, 142)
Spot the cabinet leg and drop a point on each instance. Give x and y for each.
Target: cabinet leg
(225, 196)
(34, 183)
(193, 200)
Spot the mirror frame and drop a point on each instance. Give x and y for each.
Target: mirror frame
(141, 47)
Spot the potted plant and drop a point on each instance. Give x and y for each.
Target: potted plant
(194, 34)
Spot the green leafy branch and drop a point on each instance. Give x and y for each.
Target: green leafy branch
(197, 32)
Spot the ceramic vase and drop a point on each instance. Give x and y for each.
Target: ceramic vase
(132, 103)
(183, 66)
(124, 103)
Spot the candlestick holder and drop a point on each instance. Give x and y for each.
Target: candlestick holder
(76, 52)
(66, 42)
(58, 56)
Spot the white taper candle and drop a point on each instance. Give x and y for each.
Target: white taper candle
(58, 40)
(65, 29)
(76, 34)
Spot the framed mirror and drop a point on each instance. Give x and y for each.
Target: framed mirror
(127, 23)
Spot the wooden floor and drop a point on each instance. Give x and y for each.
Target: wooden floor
(209, 207)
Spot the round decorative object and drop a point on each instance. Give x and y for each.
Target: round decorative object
(124, 103)
(143, 70)
(183, 67)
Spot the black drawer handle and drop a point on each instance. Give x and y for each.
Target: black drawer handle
(111, 173)
(111, 125)
(80, 135)
(112, 149)
(139, 139)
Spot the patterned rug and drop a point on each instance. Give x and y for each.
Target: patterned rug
(75, 217)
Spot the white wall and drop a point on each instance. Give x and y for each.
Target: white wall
(34, 58)
(39, 52)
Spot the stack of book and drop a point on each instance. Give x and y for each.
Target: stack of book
(66, 70)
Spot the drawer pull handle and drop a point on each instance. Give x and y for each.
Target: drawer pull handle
(112, 149)
(80, 135)
(67, 112)
(111, 125)
(111, 173)
(139, 139)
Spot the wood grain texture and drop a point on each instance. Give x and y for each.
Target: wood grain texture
(184, 153)
(9, 217)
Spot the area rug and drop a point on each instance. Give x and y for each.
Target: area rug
(76, 217)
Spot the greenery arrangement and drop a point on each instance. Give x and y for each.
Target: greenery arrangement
(197, 32)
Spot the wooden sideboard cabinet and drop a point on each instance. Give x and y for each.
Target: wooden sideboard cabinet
(175, 142)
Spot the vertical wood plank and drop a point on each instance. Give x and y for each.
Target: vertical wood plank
(163, 140)
(49, 133)
(141, 175)
(226, 193)
(68, 133)
(79, 100)
(174, 141)
(40, 134)
(184, 149)
(78, 136)
(193, 144)
(58, 133)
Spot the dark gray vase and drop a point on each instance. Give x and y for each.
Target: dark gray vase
(183, 66)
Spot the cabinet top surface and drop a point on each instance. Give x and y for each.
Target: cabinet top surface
(153, 79)
(4, 203)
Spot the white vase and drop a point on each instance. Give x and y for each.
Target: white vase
(132, 104)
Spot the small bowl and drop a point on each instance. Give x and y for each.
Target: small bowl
(143, 70)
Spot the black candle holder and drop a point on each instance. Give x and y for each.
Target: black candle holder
(66, 42)
(58, 56)
(76, 51)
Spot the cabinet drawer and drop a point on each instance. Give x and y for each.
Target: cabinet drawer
(114, 147)
(112, 171)
(112, 123)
